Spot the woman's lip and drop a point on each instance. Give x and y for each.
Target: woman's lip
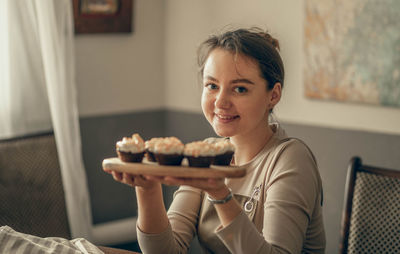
(226, 118)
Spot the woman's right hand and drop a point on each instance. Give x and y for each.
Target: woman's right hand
(133, 180)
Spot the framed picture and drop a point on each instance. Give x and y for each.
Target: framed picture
(102, 16)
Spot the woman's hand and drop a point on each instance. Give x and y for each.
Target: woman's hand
(215, 187)
(133, 180)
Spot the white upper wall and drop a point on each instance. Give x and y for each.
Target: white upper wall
(189, 22)
(155, 66)
(119, 73)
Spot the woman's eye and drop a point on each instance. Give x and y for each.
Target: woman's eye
(240, 89)
(211, 86)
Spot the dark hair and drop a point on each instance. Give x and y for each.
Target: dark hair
(254, 43)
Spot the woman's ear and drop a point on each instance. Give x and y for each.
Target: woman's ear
(275, 95)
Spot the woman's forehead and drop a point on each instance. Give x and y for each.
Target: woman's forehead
(221, 60)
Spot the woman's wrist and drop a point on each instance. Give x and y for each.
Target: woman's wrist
(148, 190)
(221, 196)
(224, 200)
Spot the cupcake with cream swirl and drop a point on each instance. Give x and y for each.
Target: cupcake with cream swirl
(169, 151)
(149, 147)
(130, 149)
(199, 153)
(224, 150)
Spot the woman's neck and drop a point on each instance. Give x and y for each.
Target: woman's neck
(248, 146)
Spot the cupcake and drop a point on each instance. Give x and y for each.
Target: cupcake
(199, 153)
(149, 148)
(130, 149)
(169, 151)
(224, 151)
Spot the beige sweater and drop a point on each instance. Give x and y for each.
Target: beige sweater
(281, 197)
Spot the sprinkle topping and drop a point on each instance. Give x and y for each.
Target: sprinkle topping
(199, 148)
(134, 144)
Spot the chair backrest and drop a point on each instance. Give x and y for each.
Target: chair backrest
(371, 214)
(31, 191)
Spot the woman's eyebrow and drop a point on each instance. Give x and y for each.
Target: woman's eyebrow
(208, 77)
(235, 81)
(242, 80)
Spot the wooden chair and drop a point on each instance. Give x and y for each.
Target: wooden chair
(31, 191)
(371, 214)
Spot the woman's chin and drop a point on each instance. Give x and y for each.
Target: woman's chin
(224, 133)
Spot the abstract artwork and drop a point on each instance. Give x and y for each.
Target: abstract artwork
(352, 51)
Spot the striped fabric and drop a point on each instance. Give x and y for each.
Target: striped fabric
(15, 242)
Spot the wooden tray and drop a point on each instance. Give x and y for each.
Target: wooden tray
(152, 168)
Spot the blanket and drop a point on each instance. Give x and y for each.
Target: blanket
(12, 241)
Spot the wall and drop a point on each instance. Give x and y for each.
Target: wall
(333, 149)
(117, 74)
(147, 82)
(123, 72)
(191, 22)
(335, 131)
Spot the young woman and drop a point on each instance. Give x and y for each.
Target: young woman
(276, 207)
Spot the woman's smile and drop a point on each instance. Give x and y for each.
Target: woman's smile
(222, 118)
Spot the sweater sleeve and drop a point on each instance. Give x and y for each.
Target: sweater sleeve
(183, 218)
(292, 191)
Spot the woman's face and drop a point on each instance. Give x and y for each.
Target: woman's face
(235, 98)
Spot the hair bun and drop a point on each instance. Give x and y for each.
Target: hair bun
(264, 34)
(271, 40)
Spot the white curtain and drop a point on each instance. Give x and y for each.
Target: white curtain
(38, 90)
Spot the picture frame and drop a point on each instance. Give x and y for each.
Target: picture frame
(102, 16)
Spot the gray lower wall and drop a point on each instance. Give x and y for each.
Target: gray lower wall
(333, 149)
(111, 200)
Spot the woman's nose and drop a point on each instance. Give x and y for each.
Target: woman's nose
(222, 100)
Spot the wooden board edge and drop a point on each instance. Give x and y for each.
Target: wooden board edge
(213, 171)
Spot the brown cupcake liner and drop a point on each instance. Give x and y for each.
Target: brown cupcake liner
(130, 157)
(201, 161)
(150, 156)
(169, 159)
(223, 159)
